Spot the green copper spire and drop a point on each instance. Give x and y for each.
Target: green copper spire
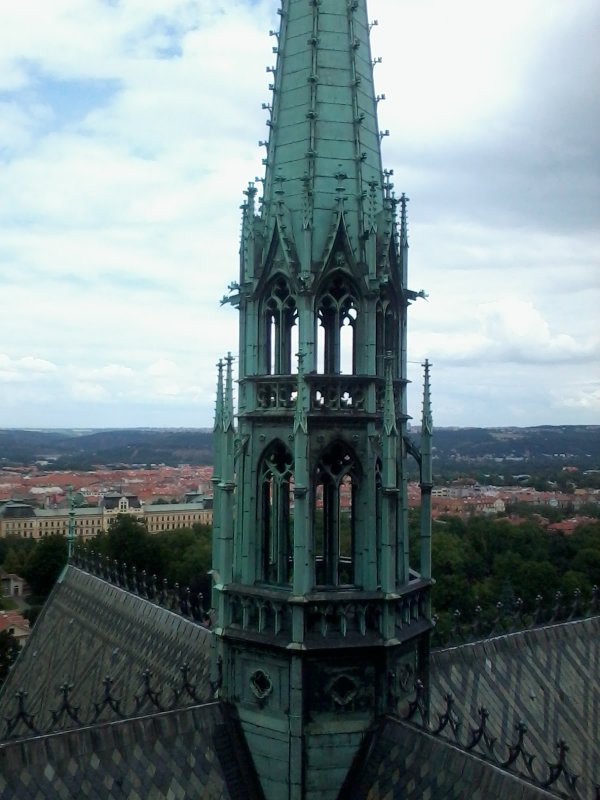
(319, 611)
(323, 163)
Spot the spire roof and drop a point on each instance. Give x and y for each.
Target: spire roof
(323, 153)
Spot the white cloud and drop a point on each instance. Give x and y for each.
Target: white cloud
(587, 399)
(128, 131)
(82, 391)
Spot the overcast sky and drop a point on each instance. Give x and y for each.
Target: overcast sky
(129, 128)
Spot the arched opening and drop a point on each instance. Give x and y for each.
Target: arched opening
(337, 314)
(335, 516)
(275, 489)
(279, 329)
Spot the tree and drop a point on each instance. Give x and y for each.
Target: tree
(128, 541)
(9, 650)
(14, 552)
(45, 564)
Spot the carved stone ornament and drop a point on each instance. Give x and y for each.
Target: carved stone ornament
(343, 690)
(261, 684)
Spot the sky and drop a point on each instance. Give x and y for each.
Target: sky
(129, 129)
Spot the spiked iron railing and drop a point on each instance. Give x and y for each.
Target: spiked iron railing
(178, 599)
(512, 617)
(553, 775)
(482, 623)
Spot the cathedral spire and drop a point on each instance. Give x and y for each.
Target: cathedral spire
(323, 125)
(320, 613)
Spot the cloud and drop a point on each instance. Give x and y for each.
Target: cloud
(127, 134)
(587, 399)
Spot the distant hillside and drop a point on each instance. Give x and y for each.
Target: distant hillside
(541, 446)
(85, 450)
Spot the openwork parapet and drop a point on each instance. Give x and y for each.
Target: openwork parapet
(333, 616)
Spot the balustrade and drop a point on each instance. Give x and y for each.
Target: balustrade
(326, 617)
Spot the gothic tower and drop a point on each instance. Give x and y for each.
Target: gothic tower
(322, 624)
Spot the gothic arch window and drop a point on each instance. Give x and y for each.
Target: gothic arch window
(337, 314)
(335, 516)
(275, 489)
(279, 328)
(386, 332)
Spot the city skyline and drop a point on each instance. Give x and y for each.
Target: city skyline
(129, 132)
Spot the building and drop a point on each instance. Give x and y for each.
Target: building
(15, 623)
(28, 522)
(12, 585)
(315, 681)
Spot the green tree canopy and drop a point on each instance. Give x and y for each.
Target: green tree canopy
(9, 650)
(45, 563)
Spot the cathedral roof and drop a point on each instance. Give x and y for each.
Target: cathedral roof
(195, 752)
(91, 631)
(547, 677)
(161, 734)
(402, 762)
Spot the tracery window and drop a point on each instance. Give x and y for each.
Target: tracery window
(337, 315)
(280, 330)
(335, 511)
(275, 487)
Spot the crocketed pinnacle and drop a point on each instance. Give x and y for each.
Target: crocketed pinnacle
(218, 426)
(389, 404)
(228, 412)
(427, 420)
(323, 154)
(426, 431)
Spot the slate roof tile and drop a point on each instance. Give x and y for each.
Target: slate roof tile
(90, 629)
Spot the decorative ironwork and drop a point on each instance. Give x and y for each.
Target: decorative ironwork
(66, 708)
(517, 751)
(480, 734)
(462, 625)
(108, 701)
(22, 716)
(555, 775)
(186, 688)
(560, 768)
(448, 718)
(108, 708)
(180, 601)
(149, 694)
